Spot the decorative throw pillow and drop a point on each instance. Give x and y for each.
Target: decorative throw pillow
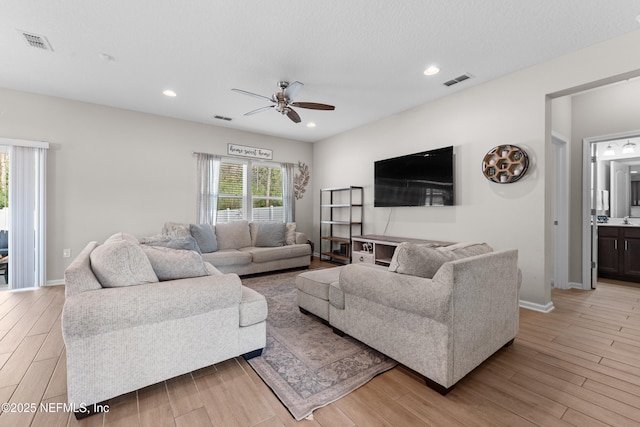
(421, 260)
(121, 236)
(121, 263)
(172, 264)
(155, 238)
(270, 234)
(233, 235)
(290, 234)
(253, 230)
(176, 230)
(186, 243)
(463, 250)
(205, 237)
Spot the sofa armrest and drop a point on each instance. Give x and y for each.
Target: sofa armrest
(414, 294)
(484, 306)
(301, 237)
(109, 309)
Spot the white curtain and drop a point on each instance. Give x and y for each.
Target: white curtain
(27, 197)
(288, 195)
(208, 180)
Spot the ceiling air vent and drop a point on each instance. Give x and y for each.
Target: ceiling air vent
(36, 41)
(228, 119)
(457, 80)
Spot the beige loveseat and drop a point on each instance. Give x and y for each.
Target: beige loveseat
(439, 311)
(243, 247)
(130, 321)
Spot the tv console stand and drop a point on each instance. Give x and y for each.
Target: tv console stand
(376, 249)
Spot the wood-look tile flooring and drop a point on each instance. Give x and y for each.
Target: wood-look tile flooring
(578, 365)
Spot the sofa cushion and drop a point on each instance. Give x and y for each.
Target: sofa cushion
(316, 282)
(253, 307)
(270, 234)
(121, 263)
(85, 315)
(424, 260)
(171, 264)
(187, 243)
(225, 257)
(277, 253)
(233, 235)
(205, 237)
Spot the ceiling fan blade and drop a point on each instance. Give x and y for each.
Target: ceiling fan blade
(253, 94)
(293, 116)
(313, 105)
(292, 90)
(259, 110)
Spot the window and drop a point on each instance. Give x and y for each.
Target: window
(250, 190)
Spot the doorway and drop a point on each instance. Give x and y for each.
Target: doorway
(605, 193)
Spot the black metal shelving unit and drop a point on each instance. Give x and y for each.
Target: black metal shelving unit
(341, 217)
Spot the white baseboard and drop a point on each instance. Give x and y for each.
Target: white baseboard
(575, 285)
(547, 308)
(55, 282)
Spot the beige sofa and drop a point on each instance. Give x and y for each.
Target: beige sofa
(439, 311)
(130, 321)
(244, 247)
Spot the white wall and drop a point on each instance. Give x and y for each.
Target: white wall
(113, 170)
(509, 110)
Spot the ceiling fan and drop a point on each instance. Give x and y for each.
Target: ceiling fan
(283, 101)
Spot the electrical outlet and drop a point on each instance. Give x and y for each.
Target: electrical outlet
(66, 253)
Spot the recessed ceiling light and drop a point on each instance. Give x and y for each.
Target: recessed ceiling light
(311, 125)
(169, 92)
(431, 70)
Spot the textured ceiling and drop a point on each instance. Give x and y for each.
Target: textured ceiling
(366, 57)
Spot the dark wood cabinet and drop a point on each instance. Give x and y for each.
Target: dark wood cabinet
(619, 252)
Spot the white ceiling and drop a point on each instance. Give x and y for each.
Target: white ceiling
(366, 57)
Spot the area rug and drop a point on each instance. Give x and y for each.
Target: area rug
(305, 364)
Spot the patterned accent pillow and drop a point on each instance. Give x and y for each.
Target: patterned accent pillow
(290, 234)
(176, 230)
(154, 239)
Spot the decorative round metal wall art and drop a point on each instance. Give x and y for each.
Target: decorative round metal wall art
(505, 164)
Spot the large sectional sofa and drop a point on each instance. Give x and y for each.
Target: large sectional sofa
(241, 247)
(440, 311)
(135, 315)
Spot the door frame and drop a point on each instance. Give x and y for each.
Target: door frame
(589, 248)
(561, 212)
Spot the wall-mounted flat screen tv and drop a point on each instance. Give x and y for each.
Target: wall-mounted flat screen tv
(420, 179)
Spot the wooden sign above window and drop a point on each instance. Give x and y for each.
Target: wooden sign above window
(253, 152)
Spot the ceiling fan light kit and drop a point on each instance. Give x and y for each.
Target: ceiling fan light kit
(283, 101)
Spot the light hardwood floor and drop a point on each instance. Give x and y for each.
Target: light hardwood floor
(578, 365)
